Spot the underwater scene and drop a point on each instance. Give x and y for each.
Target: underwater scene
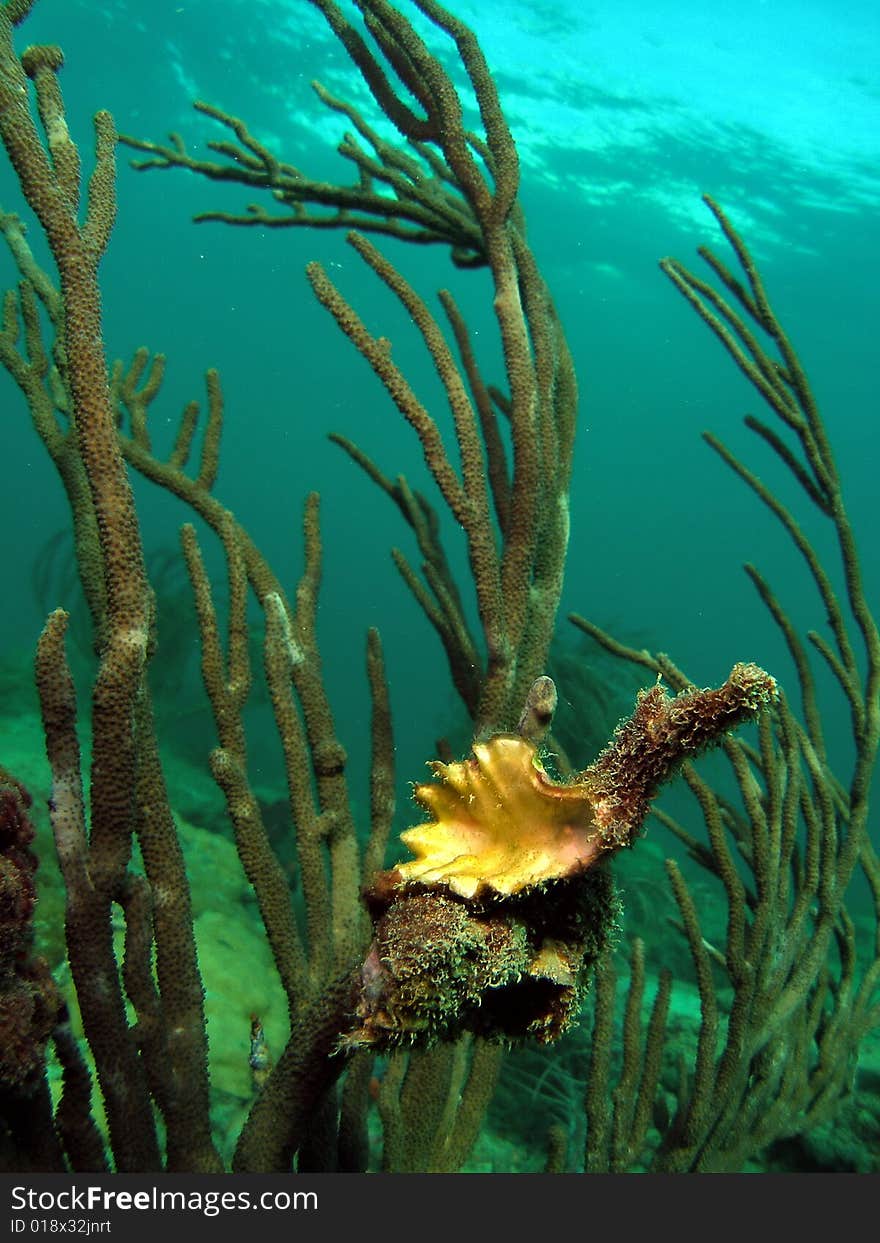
(439, 661)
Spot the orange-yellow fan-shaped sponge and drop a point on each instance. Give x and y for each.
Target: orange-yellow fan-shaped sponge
(500, 824)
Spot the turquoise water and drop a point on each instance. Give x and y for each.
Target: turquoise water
(624, 114)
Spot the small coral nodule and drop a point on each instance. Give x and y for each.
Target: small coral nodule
(493, 925)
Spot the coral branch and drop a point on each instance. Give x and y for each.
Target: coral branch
(663, 732)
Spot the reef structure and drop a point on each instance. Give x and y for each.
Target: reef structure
(29, 999)
(494, 925)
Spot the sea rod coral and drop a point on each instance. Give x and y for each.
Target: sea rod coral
(492, 931)
(786, 1002)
